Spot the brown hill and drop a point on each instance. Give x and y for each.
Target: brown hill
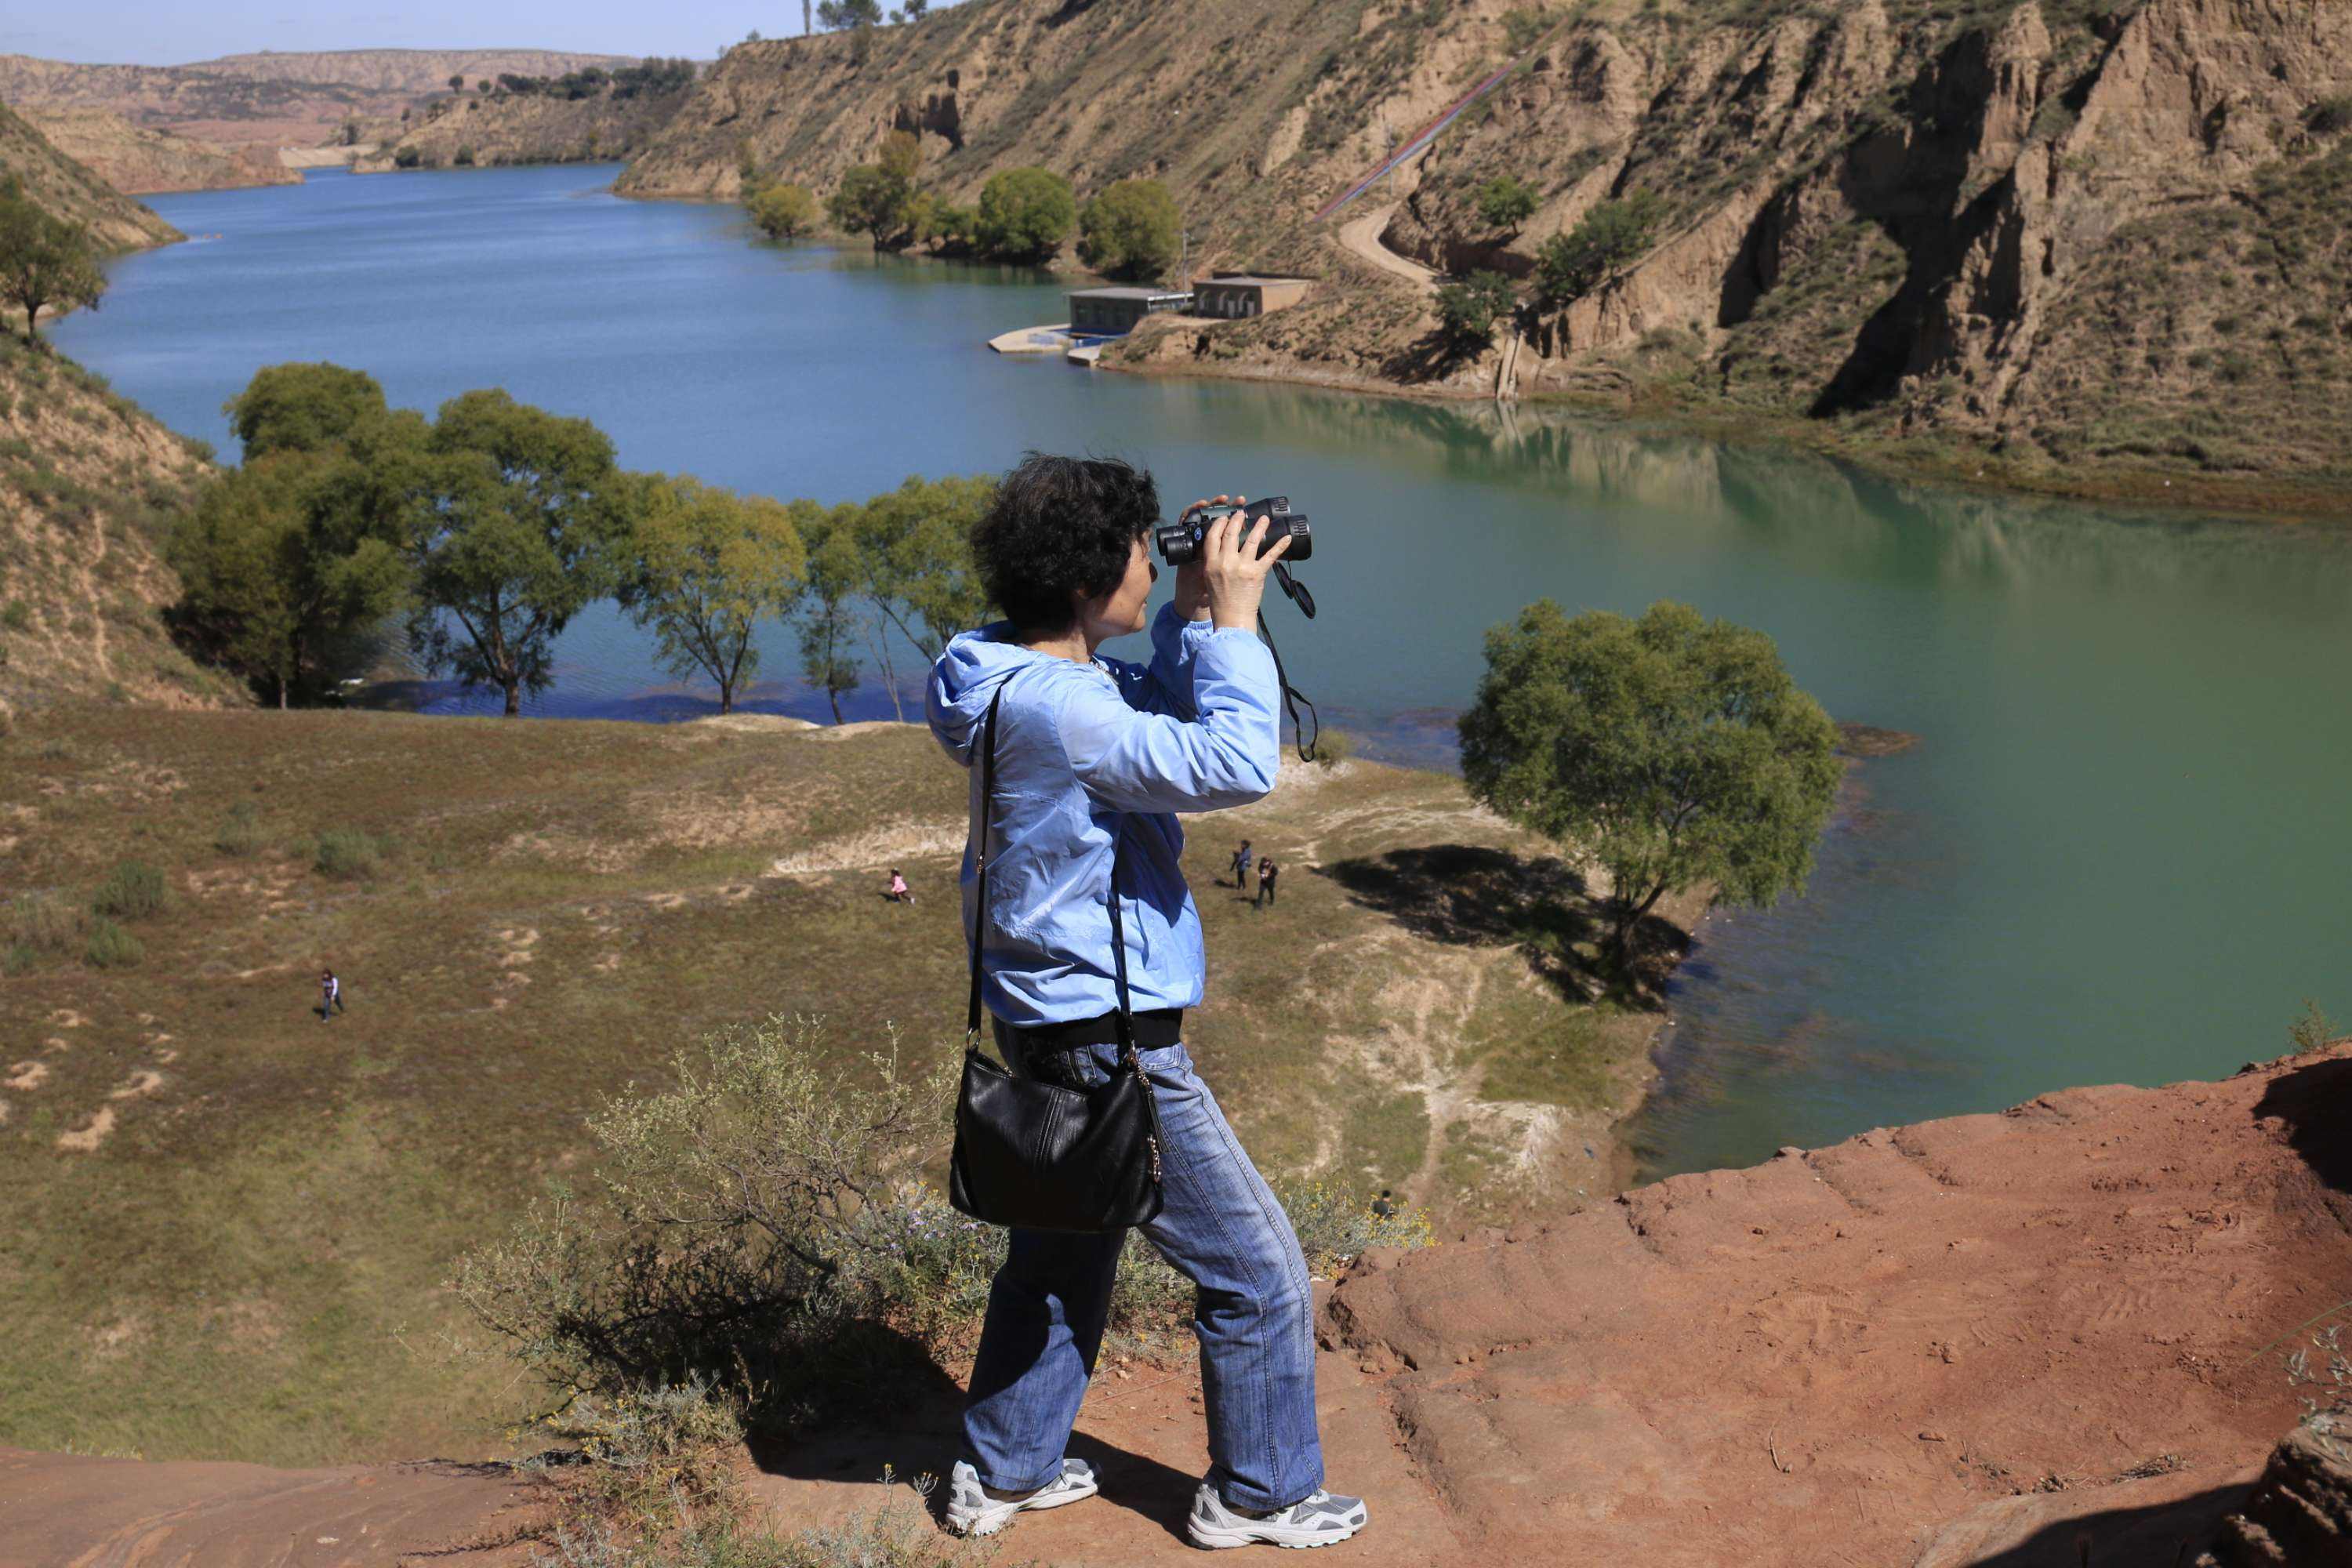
(507, 128)
(140, 161)
(269, 100)
(69, 191)
(89, 485)
(2029, 1340)
(2076, 241)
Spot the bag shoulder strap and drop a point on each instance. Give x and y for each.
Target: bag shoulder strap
(980, 915)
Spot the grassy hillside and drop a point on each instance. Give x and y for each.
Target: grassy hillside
(1894, 227)
(221, 1219)
(89, 485)
(73, 193)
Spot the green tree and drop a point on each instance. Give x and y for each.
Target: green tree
(835, 578)
(277, 583)
(1572, 265)
(837, 15)
(299, 407)
(709, 566)
(458, 82)
(881, 199)
(1468, 311)
(45, 261)
(917, 542)
(1024, 215)
(1673, 749)
(1131, 230)
(782, 212)
(515, 515)
(1506, 202)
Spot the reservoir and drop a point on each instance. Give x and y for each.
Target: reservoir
(2119, 851)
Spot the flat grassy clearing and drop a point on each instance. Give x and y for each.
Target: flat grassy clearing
(224, 1222)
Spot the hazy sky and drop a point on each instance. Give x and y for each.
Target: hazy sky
(167, 32)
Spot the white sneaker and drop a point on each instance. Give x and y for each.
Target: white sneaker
(1318, 1521)
(972, 1511)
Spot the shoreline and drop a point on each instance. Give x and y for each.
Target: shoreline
(2160, 493)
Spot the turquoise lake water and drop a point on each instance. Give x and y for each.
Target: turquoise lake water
(2121, 850)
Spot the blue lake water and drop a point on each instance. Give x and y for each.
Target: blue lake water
(2120, 850)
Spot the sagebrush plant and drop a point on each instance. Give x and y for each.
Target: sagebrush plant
(43, 923)
(110, 946)
(240, 832)
(350, 853)
(2321, 1374)
(131, 891)
(2311, 1029)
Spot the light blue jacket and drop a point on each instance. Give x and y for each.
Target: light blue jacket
(1083, 745)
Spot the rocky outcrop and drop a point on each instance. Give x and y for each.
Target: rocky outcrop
(2032, 1340)
(66, 189)
(471, 131)
(138, 161)
(2299, 1514)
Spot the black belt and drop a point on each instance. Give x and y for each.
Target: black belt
(1159, 1028)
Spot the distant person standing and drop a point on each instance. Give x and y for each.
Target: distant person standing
(330, 995)
(1242, 866)
(899, 892)
(1266, 872)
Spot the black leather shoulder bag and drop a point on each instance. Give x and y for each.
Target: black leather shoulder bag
(1038, 1155)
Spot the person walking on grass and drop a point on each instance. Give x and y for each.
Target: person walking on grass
(330, 995)
(899, 892)
(1094, 759)
(1266, 872)
(1242, 866)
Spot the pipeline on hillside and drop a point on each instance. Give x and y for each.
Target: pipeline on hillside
(1429, 132)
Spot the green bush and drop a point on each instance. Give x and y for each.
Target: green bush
(16, 616)
(782, 211)
(1131, 230)
(1332, 747)
(2330, 115)
(1468, 311)
(348, 852)
(407, 158)
(43, 923)
(1506, 202)
(1024, 215)
(1608, 237)
(240, 832)
(111, 947)
(2311, 1029)
(131, 891)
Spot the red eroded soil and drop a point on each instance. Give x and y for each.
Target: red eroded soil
(2044, 1337)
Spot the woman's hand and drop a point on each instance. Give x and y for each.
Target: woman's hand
(1192, 577)
(1235, 571)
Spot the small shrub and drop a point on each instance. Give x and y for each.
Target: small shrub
(111, 947)
(131, 891)
(240, 832)
(2311, 1029)
(1468, 311)
(42, 922)
(1332, 747)
(2331, 115)
(1506, 202)
(16, 616)
(1522, 26)
(1336, 1227)
(465, 155)
(348, 853)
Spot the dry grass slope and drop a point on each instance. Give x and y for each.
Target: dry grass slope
(69, 191)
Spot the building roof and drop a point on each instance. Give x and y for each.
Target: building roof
(1250, 278)
(1129, 293)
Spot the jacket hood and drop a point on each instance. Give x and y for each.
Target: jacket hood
(965, 679)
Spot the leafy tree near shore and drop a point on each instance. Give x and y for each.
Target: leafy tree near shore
(916, 542)
(782, 211)
(710, 565)
(278, 584)
(1131, 230)
(1469, 311)
(301, 408)
(835, 577)
(881, 199)
(1024, 215)
(45, 261)
(1603, 242)
(515, 514)
(1673, 749)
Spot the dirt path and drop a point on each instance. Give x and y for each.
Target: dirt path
(1362, 236)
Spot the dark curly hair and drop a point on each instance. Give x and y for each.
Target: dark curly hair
(1061, 527)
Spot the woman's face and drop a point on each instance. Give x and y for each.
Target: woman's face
(1120, 611)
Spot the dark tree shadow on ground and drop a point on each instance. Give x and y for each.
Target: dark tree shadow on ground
(1428, 357)
(2316, 1104)
(909, 1421)
(1473, 896)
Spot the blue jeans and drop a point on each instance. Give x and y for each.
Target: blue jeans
(1224, 1230)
